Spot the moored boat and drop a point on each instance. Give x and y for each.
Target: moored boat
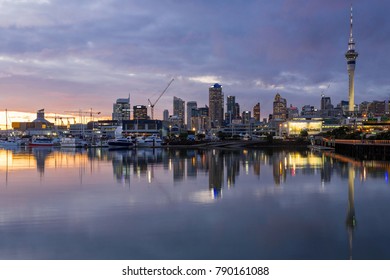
(153, 141)
(41, 141)
(72, 142)
(10, 142)
(121, 143)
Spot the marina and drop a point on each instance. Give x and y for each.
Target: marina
(149, 131)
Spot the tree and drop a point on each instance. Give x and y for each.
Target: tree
(304, 133)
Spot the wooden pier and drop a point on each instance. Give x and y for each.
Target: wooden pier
(360, 149)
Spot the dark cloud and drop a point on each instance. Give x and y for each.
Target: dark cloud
(254, 48)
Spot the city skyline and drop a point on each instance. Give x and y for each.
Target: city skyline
(107, 50)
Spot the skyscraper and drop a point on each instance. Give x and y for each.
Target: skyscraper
(246, 117)
(326, 103)
(230, 108)
(165, 115)
(216, 105)
(190, 106)
(256, 112)
(140, 112)
(121, 109)
(280, 108)
(178, 109)
(351, 56)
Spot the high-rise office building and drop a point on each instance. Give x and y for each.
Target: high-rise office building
(231, 113)
(246, 117)
(326, 103)
(165, 115)
(191, 106)
(200, 119)
(121, 110)
(279, 108)
(351, 56)
(237, 111)
(178, 109)
(216, 105)
(292, 112)
(140, 112)
(256, 112)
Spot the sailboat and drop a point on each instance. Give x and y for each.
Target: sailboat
(10, 141)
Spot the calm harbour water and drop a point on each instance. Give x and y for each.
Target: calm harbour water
(191, 204)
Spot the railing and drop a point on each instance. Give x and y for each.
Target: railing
(354, 142)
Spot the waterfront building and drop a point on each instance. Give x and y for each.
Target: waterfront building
(178, 110)
(175, 123)
(142, 126)
(351, 56)
(373, 109)
(140, 112)
(121, 109)
(192, 106)
(279, 108)
(256, 112)
(216, 106)
(295, 127)
(39, 126)
(200, 119)
(104, 128)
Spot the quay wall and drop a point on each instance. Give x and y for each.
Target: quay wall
(364, 151)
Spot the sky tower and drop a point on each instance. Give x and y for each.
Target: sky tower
(351, 56)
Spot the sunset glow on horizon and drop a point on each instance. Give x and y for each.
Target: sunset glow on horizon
(58, 119)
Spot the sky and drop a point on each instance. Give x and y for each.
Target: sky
(76, 55)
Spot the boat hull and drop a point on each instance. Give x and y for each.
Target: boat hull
(120, 145)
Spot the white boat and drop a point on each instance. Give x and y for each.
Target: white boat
(72, 142)
(10, 142)
(99, 144)
(140, 141)
(41, 141)
(153, 141)
(121, 143)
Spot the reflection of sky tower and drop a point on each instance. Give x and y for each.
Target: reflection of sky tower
(351, 217)
(351, 56)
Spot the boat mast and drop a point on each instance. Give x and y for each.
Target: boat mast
(6, 120)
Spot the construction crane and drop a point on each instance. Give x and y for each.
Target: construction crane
(84, 113)
(322, 92)
(151, 105)
(62, 119)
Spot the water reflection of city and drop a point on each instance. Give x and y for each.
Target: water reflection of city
(222, 167)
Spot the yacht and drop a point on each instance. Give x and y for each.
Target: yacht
(140, 141)
(153, 141)
(41, 141)
(121, 143)
(11, 142)
(72, 142)
(99, 144)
